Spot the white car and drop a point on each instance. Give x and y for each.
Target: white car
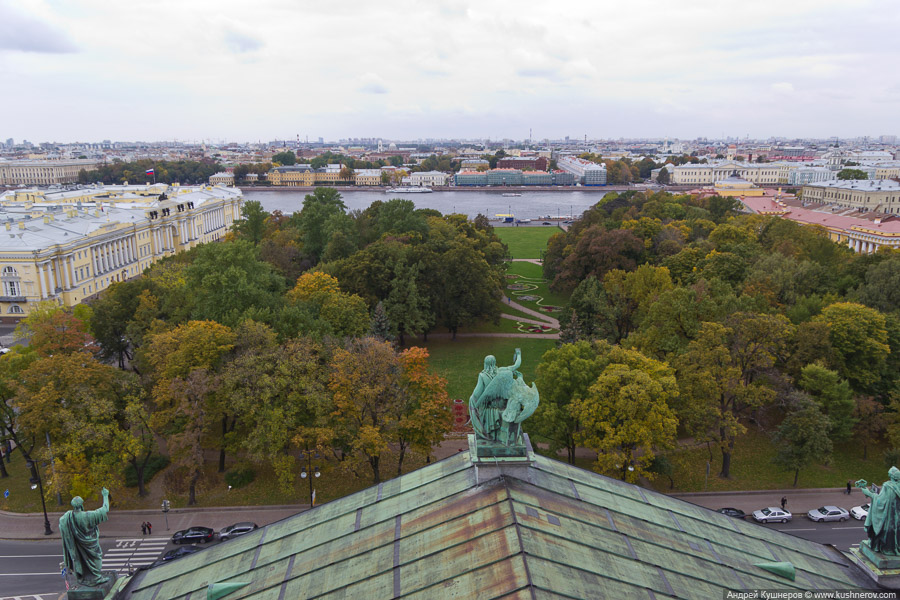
(770, 514)
(860, 512)
(828, 513)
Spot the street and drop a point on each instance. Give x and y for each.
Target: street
(29, 570)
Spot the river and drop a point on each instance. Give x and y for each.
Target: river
(530, 205)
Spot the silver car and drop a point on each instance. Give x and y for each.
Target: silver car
(772, 514)
(828, 513)
(233, 531)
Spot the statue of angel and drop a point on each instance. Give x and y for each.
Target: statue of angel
(501, 401)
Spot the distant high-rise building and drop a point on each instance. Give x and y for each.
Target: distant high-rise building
(10, 142)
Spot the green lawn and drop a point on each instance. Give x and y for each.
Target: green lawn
(460, 361)
(526, 242)
(533, 277)
(752, 468)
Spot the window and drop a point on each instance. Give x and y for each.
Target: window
(10, 272)
(15, 309)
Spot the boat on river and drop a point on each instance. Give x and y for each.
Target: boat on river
(408, 189)
(511, 194)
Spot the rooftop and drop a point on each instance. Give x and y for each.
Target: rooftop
(505, 528)
(866, 185)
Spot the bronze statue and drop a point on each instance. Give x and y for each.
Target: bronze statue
(501, 401)
(883, 521)
(81, 541)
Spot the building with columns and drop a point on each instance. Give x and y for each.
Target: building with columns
(68, 246)
(864, 232)
(43, 172)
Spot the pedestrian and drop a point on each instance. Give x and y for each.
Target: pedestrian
(849, 487)
(783, 502)
(149, 528)
(144, 528)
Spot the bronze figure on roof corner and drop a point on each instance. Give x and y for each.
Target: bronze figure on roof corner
(81, 542)
(500, 402)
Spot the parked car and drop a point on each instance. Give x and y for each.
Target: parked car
(860, 512)
(545, 223)
(194, 535)
(179, 552)
(732, 512)
(770, 514)
(828, 513)
(232, 531)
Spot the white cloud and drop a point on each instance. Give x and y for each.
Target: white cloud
(372, 84)
(26, 33)
(447, 68)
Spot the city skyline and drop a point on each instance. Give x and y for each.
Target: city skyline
(92, 69)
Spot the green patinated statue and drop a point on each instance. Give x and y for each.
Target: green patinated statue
(81, 541)
(883, 521)
(500, 402)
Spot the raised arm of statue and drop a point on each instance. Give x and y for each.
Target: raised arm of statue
(517, 361)
(862, 484)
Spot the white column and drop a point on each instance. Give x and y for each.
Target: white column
(65, 264)
(40, 280)
(46, 279)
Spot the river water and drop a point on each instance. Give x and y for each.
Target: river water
(530, 205)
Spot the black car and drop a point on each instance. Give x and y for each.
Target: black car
(732, 512)
(194, 535)
(232, 531)
(179, 552)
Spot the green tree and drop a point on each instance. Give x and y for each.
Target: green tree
(627, 415)
(800, 436)
(406, 307)
(859, 337)
(252, 225)
(564, 375)
(227, 280)
(847, 174)
(323, 213)
(286, 158)
(664, 177)
(381, 325)
(834, 397)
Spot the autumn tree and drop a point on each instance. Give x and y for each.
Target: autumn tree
(185, 363)
(92, 412)
(346, 314)
(720, 376)
(278, 395)
(426, 414)
(379, 399)
(627, 414)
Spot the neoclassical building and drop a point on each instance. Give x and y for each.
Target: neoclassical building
(67, 246)
(43, 172)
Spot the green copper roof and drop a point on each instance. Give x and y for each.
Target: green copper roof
(542, 529)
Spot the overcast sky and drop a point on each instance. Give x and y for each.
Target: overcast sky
(87, 70)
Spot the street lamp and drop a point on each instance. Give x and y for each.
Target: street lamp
(37, 483)
(165, 509)
(305, 473)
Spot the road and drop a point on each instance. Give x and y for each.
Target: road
(29, 570)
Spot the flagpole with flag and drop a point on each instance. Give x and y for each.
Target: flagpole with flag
(152, 171)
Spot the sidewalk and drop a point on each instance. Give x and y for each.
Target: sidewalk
(127, 523)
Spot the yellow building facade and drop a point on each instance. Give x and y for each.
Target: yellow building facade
(68, 246)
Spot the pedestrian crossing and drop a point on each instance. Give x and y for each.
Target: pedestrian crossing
(53, 596)
(131, 553)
